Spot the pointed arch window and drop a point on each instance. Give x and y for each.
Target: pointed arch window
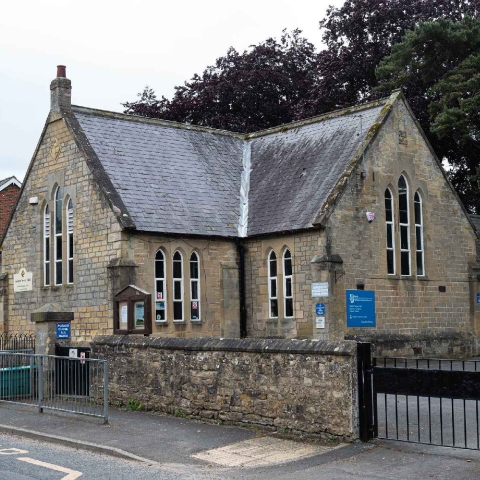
(70, 241)
(194, 287)
(403, 213)
(160, 288)
(287, 284)
(177, 286)
(272, 285)
(46, 246)
(58, 232)
(390, 217)
(417, 202)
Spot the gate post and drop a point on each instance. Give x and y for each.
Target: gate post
(365, 393)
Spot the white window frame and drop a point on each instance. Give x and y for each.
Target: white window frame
(56, 236)
(407, 225)
(178, 280)
(70, 241)
(271, 279)
(47, 227)
(419, 227)
(164, 280)
(192, 282)
(285, 278)
(390, 225)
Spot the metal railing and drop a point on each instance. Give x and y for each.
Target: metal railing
(429, 401)
(17, 341)
(49, 382)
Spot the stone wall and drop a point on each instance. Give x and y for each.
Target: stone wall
(97, 239)
(219, 291)
(405, 305)
(288, 385)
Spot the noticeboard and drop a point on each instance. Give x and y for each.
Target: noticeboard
(361, 308)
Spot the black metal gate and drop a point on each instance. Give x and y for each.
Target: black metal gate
(428, 401)
(73, 378)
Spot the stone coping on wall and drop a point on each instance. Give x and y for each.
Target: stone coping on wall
(415, 337)
(254, 345)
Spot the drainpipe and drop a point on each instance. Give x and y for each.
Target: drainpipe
(241, 289)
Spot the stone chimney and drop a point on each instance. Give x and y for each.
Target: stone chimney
(60, 91)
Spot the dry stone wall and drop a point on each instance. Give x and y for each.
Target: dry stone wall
(292, 386)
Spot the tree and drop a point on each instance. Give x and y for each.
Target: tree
(358, 36)
(441, 62)
(243, 92)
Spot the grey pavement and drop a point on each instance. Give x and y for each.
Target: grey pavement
(167, 446)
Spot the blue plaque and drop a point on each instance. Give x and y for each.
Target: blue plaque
(63, 330)
(361, 308)
(319, 309)
(478, 297)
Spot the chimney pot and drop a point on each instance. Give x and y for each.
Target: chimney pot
(61, 71)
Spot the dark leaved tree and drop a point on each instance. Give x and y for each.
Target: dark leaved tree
(242, 92)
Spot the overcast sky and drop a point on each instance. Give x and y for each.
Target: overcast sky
(112, 49)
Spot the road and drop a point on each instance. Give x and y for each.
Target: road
(23, 459)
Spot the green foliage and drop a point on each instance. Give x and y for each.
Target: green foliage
(180, 413)
(133, 405)
(441, 59)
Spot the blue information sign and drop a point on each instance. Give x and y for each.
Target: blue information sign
(478, 297)
(361, 308)
(320, 309)
(63, 330)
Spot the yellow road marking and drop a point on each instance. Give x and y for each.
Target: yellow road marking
(72, 474)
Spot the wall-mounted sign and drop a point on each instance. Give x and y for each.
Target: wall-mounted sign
(320, 322)
(478, 297)
(320, 289)
(361, 308)
(73, 352)
(319, 309)
(63, 330)
(22, 281)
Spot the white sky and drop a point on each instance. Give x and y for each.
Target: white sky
(113, 48)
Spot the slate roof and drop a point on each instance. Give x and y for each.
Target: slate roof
(181, 179)
(171, 180)
(293, 172)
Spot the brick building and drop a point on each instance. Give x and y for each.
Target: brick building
(147, 226)
(9, 190)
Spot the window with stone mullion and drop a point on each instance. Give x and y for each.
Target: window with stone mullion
(420, 257)
(403, 212)
(177, 287)
(272, 285)
(389, 217)
(287, 284)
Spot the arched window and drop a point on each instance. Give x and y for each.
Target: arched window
(417, 202)
(389, 216)
(194, 287)
(287, 284)
(70, 241)
(160, 288)
(403, 213)
(272, 284)
(177, 286)
(58, 236)
(46, 246)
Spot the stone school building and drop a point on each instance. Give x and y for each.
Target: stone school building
(144, 226)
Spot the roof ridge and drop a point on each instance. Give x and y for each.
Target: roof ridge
(154, 121)
(319, 118)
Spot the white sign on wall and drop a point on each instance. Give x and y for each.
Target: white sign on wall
(22, 281)
(320, 289)
(320, 322)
